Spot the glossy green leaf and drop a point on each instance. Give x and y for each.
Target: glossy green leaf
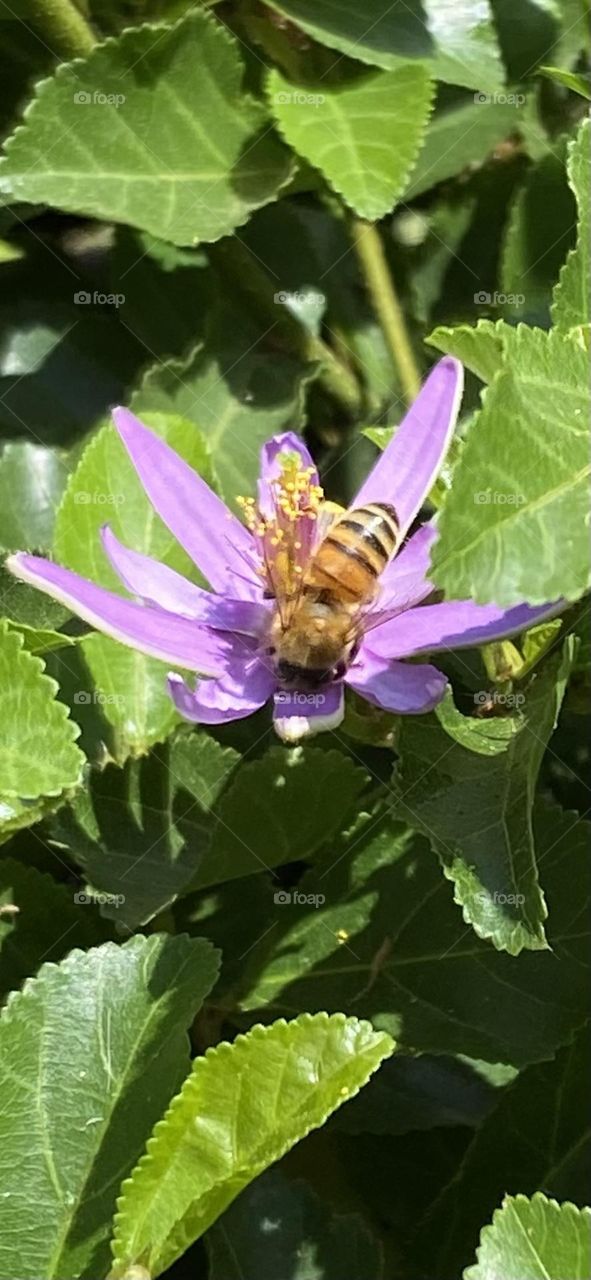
(363, 133)
(535, 248)
(534, 1239)
(238, 389)
(39, 920)
(281, 808)
(571, 298)
(32, 480)
(476, 810)
(244, 1105)
(414, 1093)
(458, 136)
(457, 39)
(138, 834)
(314, 1243)
(570, 79)
(132, 688)
(522, 482)
(130, 134)
(92, 1051)
(481, 347)
(38, 752)
(534, 1138)
(388, 942)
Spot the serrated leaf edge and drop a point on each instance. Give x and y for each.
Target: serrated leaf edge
(225, 1049)
(375, 217)
(62, 713)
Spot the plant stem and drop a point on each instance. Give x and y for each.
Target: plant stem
(66, 30)
(380, 286)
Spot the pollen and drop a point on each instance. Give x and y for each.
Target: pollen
(283, 532)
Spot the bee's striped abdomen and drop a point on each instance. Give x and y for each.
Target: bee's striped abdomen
(354, 553)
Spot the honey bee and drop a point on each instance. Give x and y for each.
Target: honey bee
(315, 631)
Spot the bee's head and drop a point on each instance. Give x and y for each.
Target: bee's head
(312, 648)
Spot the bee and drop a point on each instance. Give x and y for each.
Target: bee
(315, 631)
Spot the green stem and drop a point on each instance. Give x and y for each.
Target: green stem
(65, 29)
(380, 286)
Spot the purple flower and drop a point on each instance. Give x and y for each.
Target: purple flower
(226, 634)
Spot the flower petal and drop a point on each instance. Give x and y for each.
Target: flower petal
(238, 693)
(287, 442)
(154, 631)
(397, 686)
(299, 715)
(159, 585)
(455, 624)
(219, 544)
(409, 465)
(405, 579)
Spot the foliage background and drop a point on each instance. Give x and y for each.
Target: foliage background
(185, 197)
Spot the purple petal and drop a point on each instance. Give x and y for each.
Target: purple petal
(162, 586)
(287, 442)
(405, 579)
(454, 624)
(154, 631)
(405, 472)
(397, 686)
(238, 693)
(219, 544)
(299, 715)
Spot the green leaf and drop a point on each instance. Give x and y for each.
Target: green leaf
(32, 480)
(238, 389)
(105, 487)
(415, 1093)
(457, 40)
(38, 752)
(476, 811)
(315, 1243)
(388, 943)
(38, 640)
(521, 482)
(26, 607)
(39, 920)
(571, 296)
(281, 808)
(570, 79)
(138, 834)
(129, 134)
(458, 136)
(534, 1239)
(485, 737)
(92, 1051)
(533, 1139)
(364, 133)
(482, 348)
(535, 247)
(243, 1107)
